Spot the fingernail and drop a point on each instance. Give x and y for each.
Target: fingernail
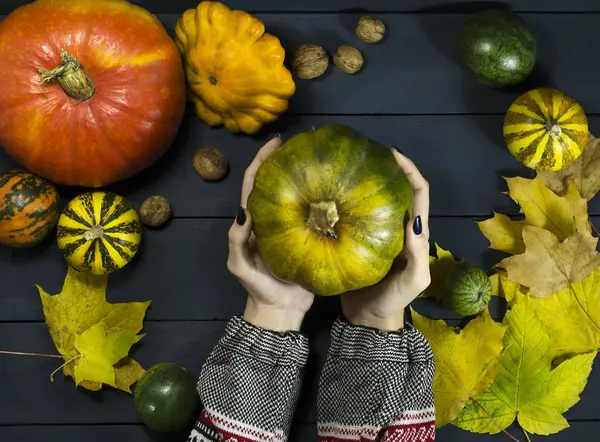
(395, 148)
(241, 216)
(418, 225)
(277, 135)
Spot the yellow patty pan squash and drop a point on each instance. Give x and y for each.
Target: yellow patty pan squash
(234, 70)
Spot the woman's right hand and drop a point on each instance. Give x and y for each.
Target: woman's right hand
(382, 305)
(272, 304)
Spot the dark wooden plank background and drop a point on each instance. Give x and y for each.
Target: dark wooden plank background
(412, 93)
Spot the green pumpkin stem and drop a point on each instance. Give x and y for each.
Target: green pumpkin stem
(553, 128)
(94, 233)
(69, 74)
(323, 217)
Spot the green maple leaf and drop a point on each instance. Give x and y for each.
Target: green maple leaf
(526, 387)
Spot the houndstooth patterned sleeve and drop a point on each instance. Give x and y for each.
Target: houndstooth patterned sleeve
(376, 386)
(250, 384)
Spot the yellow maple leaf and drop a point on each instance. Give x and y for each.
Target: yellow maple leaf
(562, 216)
(504, 288)
(584, 172)
(99, 352)
(503, 233)
(571, 317)
(81, 305)
(466, 363)
(526, 388)
(440, 267)
(548, 265)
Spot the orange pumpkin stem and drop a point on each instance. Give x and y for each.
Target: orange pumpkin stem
(69, 74)
(323, 217)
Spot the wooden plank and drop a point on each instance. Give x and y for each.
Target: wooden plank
(451, 6)
(34, 400)
(464, 159)
(415, 71)
(182, 269)
(301, 432)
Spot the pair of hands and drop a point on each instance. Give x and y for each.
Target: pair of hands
(279, 306)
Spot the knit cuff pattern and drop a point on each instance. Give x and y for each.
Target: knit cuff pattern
(269, 347)
(368, 344)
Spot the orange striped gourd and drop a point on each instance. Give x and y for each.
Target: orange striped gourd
(29, 208)
(545, 129)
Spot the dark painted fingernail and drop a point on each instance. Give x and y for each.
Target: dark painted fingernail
(395, 148)
(241, 216)
(277, 135)
(418, 225)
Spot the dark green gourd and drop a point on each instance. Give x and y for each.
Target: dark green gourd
(166, 398)
(498, 47)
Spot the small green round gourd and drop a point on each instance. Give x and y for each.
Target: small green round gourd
(498, 47)
(166, 398)
(468, 290)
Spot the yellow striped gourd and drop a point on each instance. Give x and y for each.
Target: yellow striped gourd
(99, 232)
(545, 129)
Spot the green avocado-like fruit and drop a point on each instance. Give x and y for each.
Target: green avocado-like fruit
(468, 290)
(328, 210)
(166, 398)
(498, 47)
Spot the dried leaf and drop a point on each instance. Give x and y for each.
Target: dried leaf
(584, 173)
(503, 233)
(440, 267)
(562, 216)
(82, 305)
(127, 372)
(548, 266)
(571, 317)
(526, 388)
(466, 362)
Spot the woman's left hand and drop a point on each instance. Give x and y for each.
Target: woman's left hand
(382, 305)
(272, 304)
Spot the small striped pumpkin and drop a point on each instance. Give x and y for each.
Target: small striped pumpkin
(29, 208)
(545, 129)
(99, 232)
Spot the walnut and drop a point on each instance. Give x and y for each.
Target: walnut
(155, 211)
(210, 164)
(348, 59)
(370, 29)
(310, 61)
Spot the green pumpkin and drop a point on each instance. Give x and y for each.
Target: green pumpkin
(329, 209)
(468, 290)
(498, 47)
(166, 398)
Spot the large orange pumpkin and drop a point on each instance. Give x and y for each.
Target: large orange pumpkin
(93, 91)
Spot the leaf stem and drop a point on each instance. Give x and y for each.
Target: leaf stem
(526, 435)
(68, 362)
(593, 226)
(29, 354)
(476, 402)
